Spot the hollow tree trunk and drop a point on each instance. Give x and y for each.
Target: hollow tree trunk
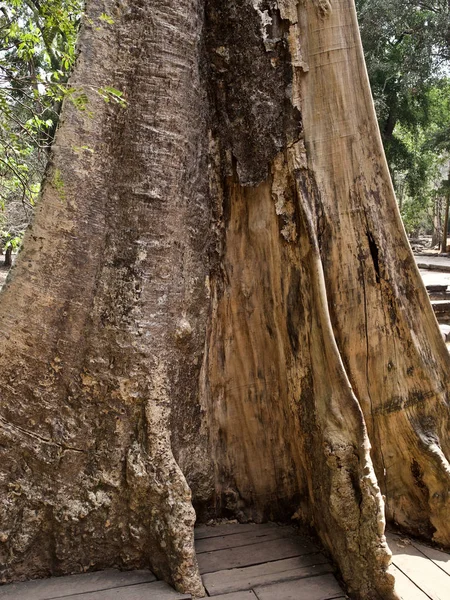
(249, 320)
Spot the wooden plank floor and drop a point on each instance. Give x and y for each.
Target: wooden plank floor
(263, 562)
(421, 572)
(251, 562)
(237, 562)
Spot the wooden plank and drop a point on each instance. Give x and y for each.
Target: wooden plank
(324, 587)
(432, 580)
(158, 590)
(60, 587)
(254, 554)
(246, 578)
(243, 538)
(441, 559)
(405, 588)
(207, 531)
(248, 595)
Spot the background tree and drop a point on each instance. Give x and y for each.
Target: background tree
(243, 336)
(419, 178)
(407, 52)
(37, 41)
(439, 141)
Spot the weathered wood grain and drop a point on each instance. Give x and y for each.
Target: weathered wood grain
(56, 587)
(405, 588)
(210, 531)
(315, 588)
(244, 326)
(427, 576)
(243, 539)
(441, 559)
(254, 554)
(299, 567)
(158, 590)
(247, 595)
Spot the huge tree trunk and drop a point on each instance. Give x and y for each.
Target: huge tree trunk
(228, 306)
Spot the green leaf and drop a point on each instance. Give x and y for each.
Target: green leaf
(106, 19)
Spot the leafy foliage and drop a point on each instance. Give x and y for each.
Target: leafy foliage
(407, 49)
(37, 53)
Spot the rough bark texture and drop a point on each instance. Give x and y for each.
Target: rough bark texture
(103, 335)
(228, 306)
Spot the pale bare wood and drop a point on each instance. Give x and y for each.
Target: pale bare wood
(405, 588)
(299, 567)
(316, 588)
(432, 580)
(441, 559)
(397, 362)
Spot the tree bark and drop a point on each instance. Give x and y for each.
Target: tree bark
(445, 227)
(8, 257)
(446, 215)
(244, 328)
(88, 473)
(437, 223)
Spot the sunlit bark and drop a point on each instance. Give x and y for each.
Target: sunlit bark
(228, 307)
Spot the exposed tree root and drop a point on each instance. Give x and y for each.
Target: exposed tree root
(349, 511)
(396, 362)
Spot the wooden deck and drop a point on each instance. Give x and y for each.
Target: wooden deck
(263, 562)
(250, 562)
(421, 572)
